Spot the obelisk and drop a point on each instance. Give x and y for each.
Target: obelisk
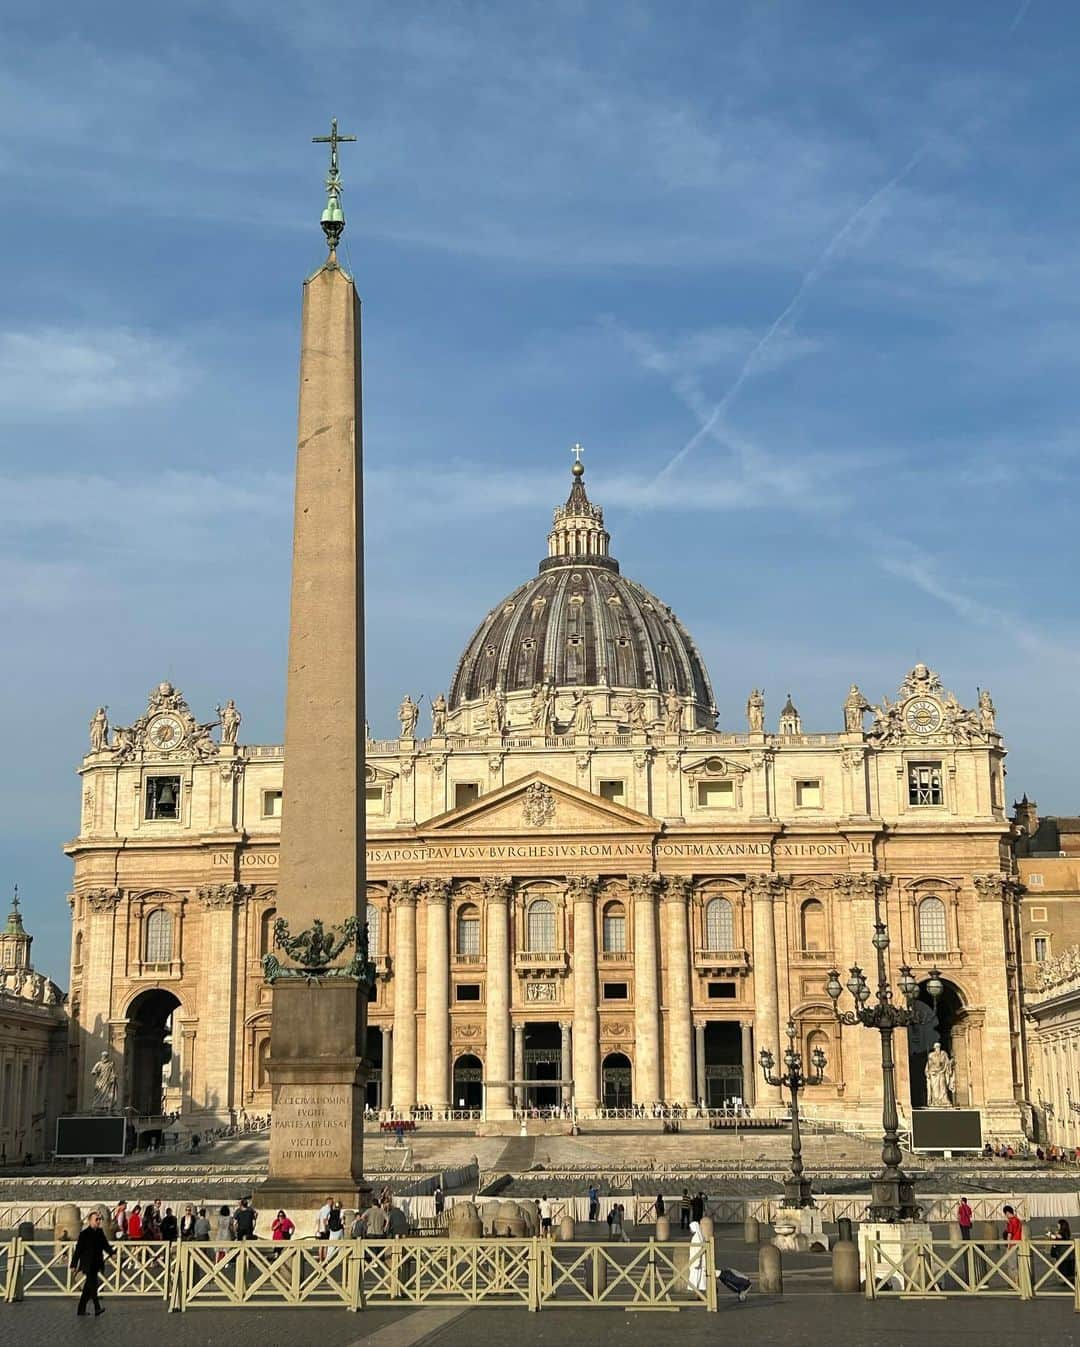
(320, 1013)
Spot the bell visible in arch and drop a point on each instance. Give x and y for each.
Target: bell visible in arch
(167, 796)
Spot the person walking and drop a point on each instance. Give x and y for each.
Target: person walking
(151, 1222)
(120, 1220)
(335, 1222)
(697, 1207)
(169, 1227)
(610, 1220)
(440, 1202)
(244, 1219)
(545, 1217)
(594, 1202)
(202, 1227)
(134, 1222)
(964, 1218)
(1014, 1233)
(91, 1250)
(187, 1224)
(1062, 1252)
(282, 1228)
(684, 1210)
(224, 1225)
(697, 1272)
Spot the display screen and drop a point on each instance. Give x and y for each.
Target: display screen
(90, 1136)
(946, 1129)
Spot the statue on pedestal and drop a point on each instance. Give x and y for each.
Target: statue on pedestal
(105, 1083)
(408, 714)
(582, 719)
(940, 1078)
(438, 714)
(755, 712)
(99, 730)
(855, 707)
(987, 713)
(230, 719)
(672, 712)
(496, 712)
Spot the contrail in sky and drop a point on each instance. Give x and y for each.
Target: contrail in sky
(778, 325)
(1019, 19)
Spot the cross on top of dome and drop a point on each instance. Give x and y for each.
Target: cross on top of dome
(579, 524)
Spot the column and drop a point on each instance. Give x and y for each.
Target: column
(403, 897)
(749, 1072)
(386, 1083)
(437, 994)
(581, 890)
(643, 890)
(564, 1062)
(991, 916)
(699, 1061)
(762, 889)
(680, 1083)
(497, 1060)
(216, 1089)
(519, 1066)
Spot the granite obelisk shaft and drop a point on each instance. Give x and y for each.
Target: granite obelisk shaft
(319, 1028)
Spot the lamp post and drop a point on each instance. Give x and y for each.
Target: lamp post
(892, 1194)
(796, 1186)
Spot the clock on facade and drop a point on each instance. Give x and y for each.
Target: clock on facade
(922, 715)
(165, 732)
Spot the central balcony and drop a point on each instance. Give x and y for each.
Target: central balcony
(542, 963)
(722, 962)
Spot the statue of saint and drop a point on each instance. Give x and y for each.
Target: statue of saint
(230, 719)
(987, 713)
(672, 712)
(582, 719)
(99, 731)
(408, 714)
(438, 714)
(755, 712)
(105, 1083)
(855, 707)
(496, 711)
(635, 712)
(940, 1078)
(542, 707)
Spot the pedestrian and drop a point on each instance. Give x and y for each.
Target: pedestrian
(224, 1225)
(697, 1273)
(545, 1217)
(610, 1220)
(120, 1220)
(619, 1226)
(594, 1202)
(1014, 1233)
(134, 1223)
(440, 1201)
(335, 1222)
(659, 1205)
(684, 1210)
(375, 1222)
(282, 1228)
(964, 1218)
(202, 1227)
(244, 1219)
(697, 1207)
(151, 1222)
(91, 1250)
(169, 1226)
(1062, 1251)
(187, 1223)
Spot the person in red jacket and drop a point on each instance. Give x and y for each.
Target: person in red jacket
(135, 1222)
(964, 1218)
(282, 1227)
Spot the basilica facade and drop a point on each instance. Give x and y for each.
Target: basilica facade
(581, 894)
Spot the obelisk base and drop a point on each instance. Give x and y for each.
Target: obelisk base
(317, 1078)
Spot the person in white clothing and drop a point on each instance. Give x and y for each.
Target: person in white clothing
(545, 1217)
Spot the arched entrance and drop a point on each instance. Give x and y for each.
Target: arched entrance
(153, 1057)
(468, 1089)
(615, 1080)
(938, 1022)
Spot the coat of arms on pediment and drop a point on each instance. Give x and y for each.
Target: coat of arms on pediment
(538, 805)
(925, 711)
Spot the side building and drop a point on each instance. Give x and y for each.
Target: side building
(580, 892)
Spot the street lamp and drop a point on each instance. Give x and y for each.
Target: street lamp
(892, 1192)
(796, 1187)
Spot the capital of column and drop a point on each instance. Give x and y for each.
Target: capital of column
(497, 888)
(990, 886)
(436, 890)
(566, 1025)
(644, 888)
(582, 888)
(864, 884)
(764, 888)
(405, 892)
(677, 889)
(102, 900)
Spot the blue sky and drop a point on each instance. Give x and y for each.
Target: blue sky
(802, 277)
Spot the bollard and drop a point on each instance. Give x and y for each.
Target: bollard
(844, 1229)
(986, 1231)
(26, 1230)
(845, 1266)
(67, 1222)
(955, 1237)
(663, 1227)
(706, 1224)
(567, 1230)
(770, 1271)
(751, 1231)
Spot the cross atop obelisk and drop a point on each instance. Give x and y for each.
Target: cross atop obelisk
(333, 218)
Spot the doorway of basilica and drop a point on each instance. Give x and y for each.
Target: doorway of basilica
(152, 1064)
(615, 1078)
(373, 1088)
(543, 1065)
(723, 1064)
(468, 1083)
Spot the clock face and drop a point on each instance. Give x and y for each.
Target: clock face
(922, 715)
(165, 732)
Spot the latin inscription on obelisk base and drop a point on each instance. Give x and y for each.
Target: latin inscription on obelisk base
(318, 965)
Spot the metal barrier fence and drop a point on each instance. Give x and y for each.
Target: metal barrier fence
(1026, 1269)
(42, 1268)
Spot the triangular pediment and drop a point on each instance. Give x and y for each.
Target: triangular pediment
(540, 805)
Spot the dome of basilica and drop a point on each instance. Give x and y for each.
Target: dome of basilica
(581, 624)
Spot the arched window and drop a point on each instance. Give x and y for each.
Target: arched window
(468, 930)
(158, 936)
(933, 930)
(262, 1064)
(374, 930)
(266, 931)
(719, 924)
(78, 948)
(614, 929)
(812, 925)
(540, 927)
(817, 1038)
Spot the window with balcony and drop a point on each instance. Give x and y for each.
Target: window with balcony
(933, 927)
(719, 924)
(614, 929)
(924, 784)
(468, 932)
(159, 937)
(540, 927)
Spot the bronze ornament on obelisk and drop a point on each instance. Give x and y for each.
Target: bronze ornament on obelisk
(319, 968)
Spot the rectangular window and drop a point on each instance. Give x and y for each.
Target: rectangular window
(614, 933)
(271, 803)
(615, 991)
(808, 794)
(716, 794)
(467, 991)
(1035, 881)
(465, 792)
(1042, 948)
(162, 797)
(1038, 914)
(373, 800)
(924, 784)
(721, 991)
(615, 791)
